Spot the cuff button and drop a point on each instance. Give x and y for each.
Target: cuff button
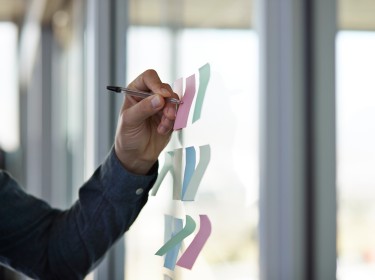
(139, 191)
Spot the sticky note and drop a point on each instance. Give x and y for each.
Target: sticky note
(191, 254)
(167, 167)
(190, 161)
(196, 178)
(177, 166)
(172, 227)
(184, 108)
(181, 235)
(178, 87)
(204, 78)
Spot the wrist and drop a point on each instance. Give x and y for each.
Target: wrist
(137, 166)
(133, 164)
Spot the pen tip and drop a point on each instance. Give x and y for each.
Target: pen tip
(113, 88)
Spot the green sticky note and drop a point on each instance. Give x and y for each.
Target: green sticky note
(181, 235)
(204, 78)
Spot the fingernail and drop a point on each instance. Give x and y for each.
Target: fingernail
(165, 91)
(155, 102)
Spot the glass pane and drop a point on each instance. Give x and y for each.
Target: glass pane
(9, 127)
(228, 192)
(356, 154)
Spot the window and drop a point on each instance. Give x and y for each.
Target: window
(356, 154)
(231, 108)
(9, 111)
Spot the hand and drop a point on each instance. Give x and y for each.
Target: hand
(145, 126)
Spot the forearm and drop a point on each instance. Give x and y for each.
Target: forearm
(109, 203)
(66, 245)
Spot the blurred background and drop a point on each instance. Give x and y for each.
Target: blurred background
(57, 121)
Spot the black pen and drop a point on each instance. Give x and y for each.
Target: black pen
(141, 94)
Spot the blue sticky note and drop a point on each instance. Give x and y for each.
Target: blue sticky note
(172, 227)
(189, 168)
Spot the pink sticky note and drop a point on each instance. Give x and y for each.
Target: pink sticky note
(178, 87)
(184, 108)
(191, 254)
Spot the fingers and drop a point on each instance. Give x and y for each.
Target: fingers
(144, 109)
(149, 107)
(150, 81)
(169, 116)
(137, 112)
(166, 125)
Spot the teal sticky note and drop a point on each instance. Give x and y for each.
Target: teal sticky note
(181, 235)
(204, 78)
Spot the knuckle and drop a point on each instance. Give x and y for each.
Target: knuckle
(150, 72)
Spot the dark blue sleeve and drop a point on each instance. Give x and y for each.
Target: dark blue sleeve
(47, 243)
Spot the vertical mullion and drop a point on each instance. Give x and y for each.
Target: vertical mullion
(324, 22)
(282, 169)
(98, 68)
(110, 25)
(320, 22)
(103, 42)
(297, 180)
(310, 151)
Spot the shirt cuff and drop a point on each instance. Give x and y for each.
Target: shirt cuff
(121, 184)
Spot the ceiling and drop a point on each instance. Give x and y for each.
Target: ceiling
(352, 14)
(11, 9)
(14, 10)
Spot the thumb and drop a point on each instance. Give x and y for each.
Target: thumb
(145, 109)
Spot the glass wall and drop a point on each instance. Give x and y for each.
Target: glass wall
(356, 154)
(355, 63)
(74, 63)
(9, 109)
(177, 44)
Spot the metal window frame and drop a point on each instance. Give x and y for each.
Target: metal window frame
(107, 22)
(297, 224)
